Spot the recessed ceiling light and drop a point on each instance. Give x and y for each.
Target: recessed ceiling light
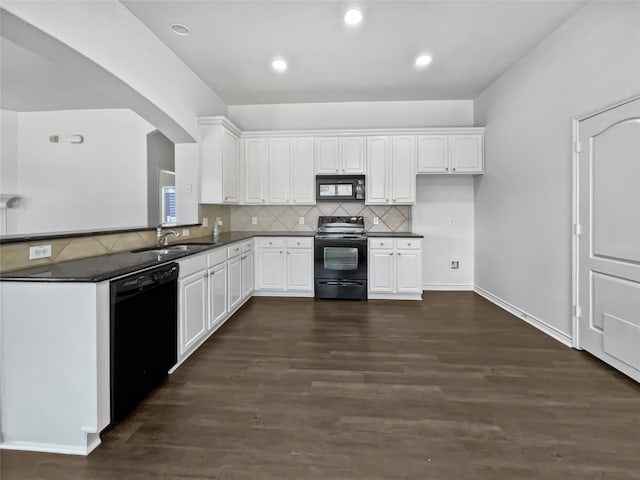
(423, 60)
(353, 17)
(279, 65)
(180, 29)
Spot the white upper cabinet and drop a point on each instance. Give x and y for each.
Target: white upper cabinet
(278, 170)
(340, 155)
(219, 178)
(454, 153)
(327, 155)
(403, 167)
(303, 185)
(352, 150)
(466, 153)
(378, 183)
(433, 154)
(391, 171)
(255, 165)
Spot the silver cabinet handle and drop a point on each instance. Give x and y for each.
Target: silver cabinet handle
(399, 253)
(409, 243)
(381, 244)
(386, 199)
(280, 252)
(454, 169)
(446, 169)
(298, 243)
(391, 254)
(270, 243)
(337, 170)
(288, 253)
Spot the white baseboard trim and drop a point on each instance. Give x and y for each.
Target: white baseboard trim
(394, 296)
(50, 447)
(453, 287)
(527, 317)
(263, 293)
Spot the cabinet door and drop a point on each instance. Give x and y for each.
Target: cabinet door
(247, 274)
(218, 295)
(278, 174)
(378, 159)
(270, 269)
(403, 176)
(193, 309)
(255, 167)
(300, 269)
(352, 155)
(381, 271)
(234, 296)
(230, 186)
(409, 271)
(327, 155)
(303, 177)
(433, 154)
(466, 153)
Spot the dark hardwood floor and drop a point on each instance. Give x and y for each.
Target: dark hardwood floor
(448, 388)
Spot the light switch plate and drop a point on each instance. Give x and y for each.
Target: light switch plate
(376, 220)
(205, 222)
(41, 251)
(301, 220)
(455, 265)
(254, 220)
(186, 232)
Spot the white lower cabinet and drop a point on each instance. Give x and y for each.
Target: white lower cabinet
(284, 266)
(395, 268)
(218, 310)
(235, 282)
(192, 301)
(248, 269)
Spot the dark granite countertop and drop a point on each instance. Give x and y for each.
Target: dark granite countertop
(106, 267)
(394, 235)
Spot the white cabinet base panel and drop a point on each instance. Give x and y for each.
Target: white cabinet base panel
(266, 293)
(394, 296)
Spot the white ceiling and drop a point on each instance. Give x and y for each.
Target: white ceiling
(32, 83)
(232, 43)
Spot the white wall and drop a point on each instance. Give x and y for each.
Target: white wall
(169, 94)
(98, 184)
(441, 200)
(523, 202)
(293, 116)
(8, 163)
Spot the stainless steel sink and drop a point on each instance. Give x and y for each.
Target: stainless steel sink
(170, 249)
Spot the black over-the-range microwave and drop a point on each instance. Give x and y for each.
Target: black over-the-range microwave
(340, 188)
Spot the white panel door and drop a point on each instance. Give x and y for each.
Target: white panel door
(381, 271)
(378, 182)
(193, 309)
(327, 155)
(352, 155)
(218, 295)
(609, 245)
(278, 174)
(255, 169)
(408, 271)
(403, 178)
(303, 177)
(247, 274)
(300, 269)
(234, 267)
(466, 153)
(230, 185)
(433, 154)
(270, 269)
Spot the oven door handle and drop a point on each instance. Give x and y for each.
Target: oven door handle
(340, 283)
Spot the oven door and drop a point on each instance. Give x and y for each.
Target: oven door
(340, 259)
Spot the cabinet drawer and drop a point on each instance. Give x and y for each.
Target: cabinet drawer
(234, 250)
(271, 242)
(247, 246)
(408, 244)
(217, 256)
(380, 243)
(299, 242)
(192, 264)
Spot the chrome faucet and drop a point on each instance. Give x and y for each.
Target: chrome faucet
(162, 239)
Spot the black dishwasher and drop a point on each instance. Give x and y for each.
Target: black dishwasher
(144, 335)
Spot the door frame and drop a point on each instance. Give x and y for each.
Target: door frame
(575, 216)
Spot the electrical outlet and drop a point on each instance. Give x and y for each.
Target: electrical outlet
(455, 265)
(41, 251)
(376, 220)
(186, 232)
(452, 221)
(205, 222)
(188, 188)
(301, 220)
(254, 220)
